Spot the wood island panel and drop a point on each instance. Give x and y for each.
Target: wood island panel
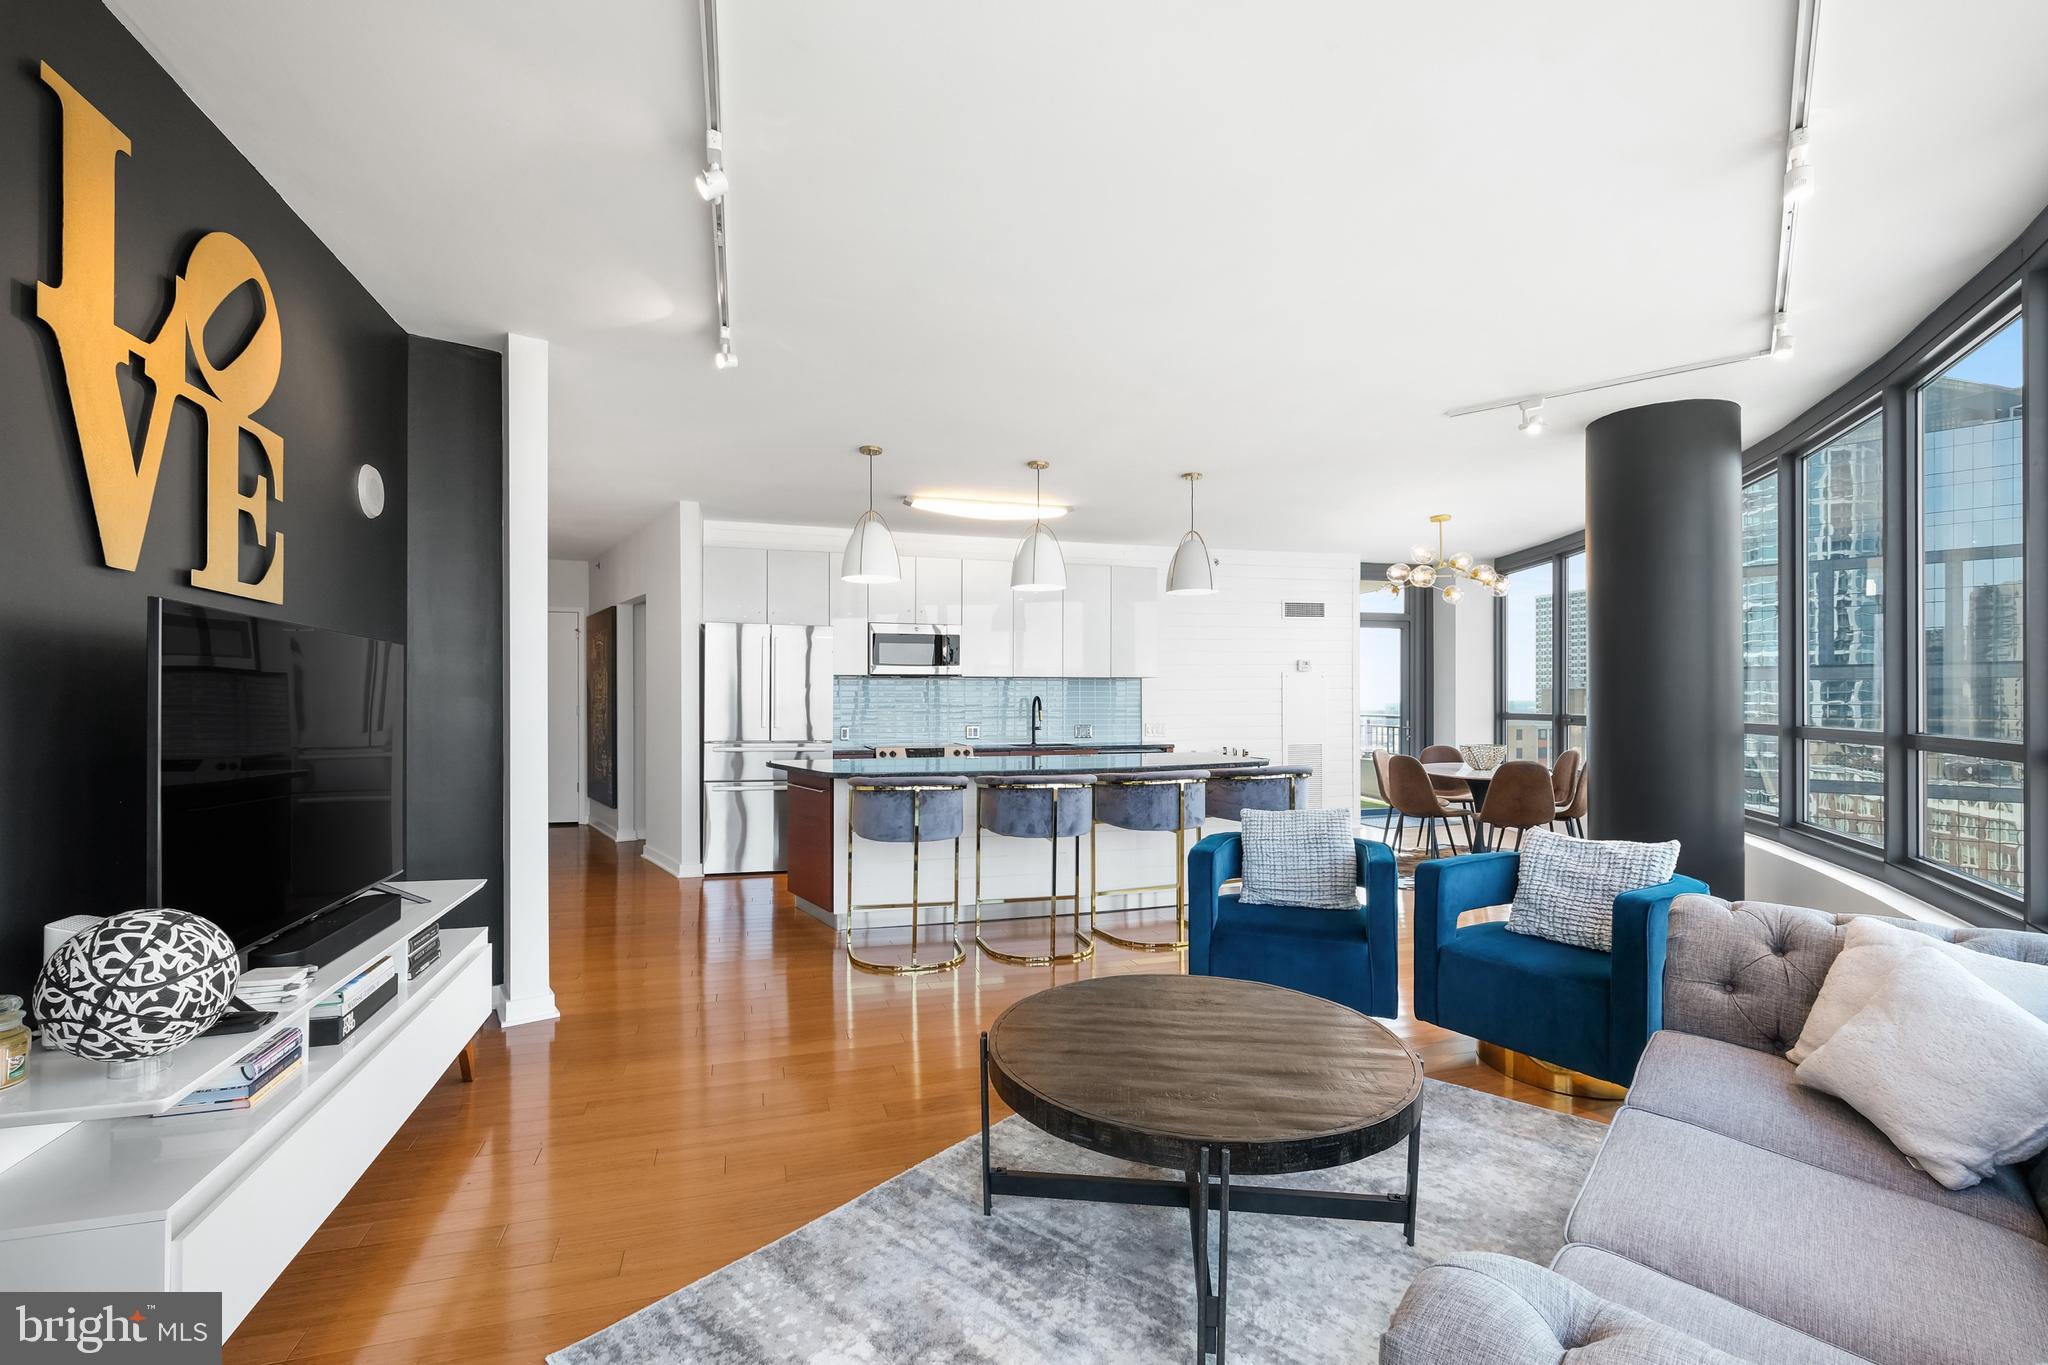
(810, 838)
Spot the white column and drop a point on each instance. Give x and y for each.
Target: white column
(526, 997)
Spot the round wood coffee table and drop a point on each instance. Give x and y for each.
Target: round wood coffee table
(1212, 1077)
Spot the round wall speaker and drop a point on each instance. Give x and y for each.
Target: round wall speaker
(370, 491)
(136, 985)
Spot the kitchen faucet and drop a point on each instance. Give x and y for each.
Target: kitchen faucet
(1037, 718)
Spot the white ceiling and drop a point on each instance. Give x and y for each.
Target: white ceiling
(1271, 242)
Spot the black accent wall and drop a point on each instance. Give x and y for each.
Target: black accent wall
(1664, 646)
(455, 746)
(72, 666)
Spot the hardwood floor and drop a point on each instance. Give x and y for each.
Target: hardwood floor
(718, 1079)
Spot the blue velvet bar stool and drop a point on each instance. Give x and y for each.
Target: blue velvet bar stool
(906, 810)
(1278, 786)
(1046, 806)
(1155, 802)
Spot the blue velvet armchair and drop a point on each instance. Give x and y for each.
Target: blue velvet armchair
(1572, 1007)
(1350, 956)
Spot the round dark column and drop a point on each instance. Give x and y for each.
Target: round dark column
(1664, 632)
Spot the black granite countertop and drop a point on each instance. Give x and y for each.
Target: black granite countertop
(1047, 761)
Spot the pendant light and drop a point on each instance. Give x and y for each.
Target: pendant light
(870, 551)
(1040, 565)
(1194, 572)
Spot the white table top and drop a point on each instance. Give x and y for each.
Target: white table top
(1465, 772)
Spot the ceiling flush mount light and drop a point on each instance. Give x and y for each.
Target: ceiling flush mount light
(870, 551)
(1443, 568)
(1040, 565)
(1532, 418)
(977, 509)
(1193, 573)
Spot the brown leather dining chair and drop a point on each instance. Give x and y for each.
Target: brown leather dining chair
(1379, 775)
(1450, 789)
(1518, 798)
(1573, 812)
(1413, 797)
(1564, 775)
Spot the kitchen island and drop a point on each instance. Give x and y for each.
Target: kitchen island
(817, 834)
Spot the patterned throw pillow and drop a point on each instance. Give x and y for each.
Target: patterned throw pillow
(1300, 857)
(1565, 889)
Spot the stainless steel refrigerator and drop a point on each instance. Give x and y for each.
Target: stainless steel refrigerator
(767, 695)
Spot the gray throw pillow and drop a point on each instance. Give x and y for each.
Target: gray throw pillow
(1566, 887)
(1300, 857)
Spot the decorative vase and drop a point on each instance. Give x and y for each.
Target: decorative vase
(135, 986)
(1484, 757)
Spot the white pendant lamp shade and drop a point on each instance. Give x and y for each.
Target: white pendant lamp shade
(870, 553)
(1040, 564)
(1193, 572)
(871, 550)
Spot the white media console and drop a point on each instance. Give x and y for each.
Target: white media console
(105, 1193)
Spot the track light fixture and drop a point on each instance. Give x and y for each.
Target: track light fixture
(725, 359)
(1798, 169)
(1532, 417)
(1781, 338)
(711, 183)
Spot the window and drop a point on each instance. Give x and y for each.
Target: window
(1884, 671)
(1540, 637)
(1844, 484)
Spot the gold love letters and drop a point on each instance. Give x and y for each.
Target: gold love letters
(79, 309)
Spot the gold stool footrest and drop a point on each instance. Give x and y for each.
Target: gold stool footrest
(1520, 1066)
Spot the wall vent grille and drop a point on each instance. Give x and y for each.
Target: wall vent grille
(1304, 611)
(1309, 756)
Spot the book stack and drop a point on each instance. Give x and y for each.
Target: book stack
(256, 1077)
(336, 1016)
(272, 988)
(423, 951)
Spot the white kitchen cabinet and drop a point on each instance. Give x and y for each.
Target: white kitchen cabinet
(937, 596)
(1134, 602)
(986, 607)
(735, 584)
(895, 601)
(1038, 634)
(799, 587)
(849, 624)
(1087, 621)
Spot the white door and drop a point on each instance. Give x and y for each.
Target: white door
(565, 717)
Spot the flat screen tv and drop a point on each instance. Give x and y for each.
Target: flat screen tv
(276, 767)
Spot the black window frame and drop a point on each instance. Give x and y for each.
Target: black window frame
(1556, 553)
(1416, 621)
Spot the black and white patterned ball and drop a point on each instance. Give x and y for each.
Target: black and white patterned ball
(136, 985)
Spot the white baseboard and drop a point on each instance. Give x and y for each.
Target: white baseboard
(530, 1009)
(675, 867)
(609, 831)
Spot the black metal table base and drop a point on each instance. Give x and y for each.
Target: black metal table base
(1205, 1186)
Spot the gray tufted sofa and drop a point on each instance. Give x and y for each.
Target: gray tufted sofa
(1734, 1214)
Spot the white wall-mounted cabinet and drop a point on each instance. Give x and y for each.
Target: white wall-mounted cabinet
(735, 584)
(849, 624)
(938, 593)
(800, 587)
(1038, 634)
(895, 601)
(1134, 602)
(1087, 621)
(986, 609)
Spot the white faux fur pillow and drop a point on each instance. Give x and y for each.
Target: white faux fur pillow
(1955, 1074)
(1871, 948)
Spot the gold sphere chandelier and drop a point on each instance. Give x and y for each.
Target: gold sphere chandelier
(1443, 570)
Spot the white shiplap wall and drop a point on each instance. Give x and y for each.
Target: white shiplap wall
(1223, 660)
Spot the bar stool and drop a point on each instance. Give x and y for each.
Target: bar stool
(1154, 802)
(906, 810)
(1234, 791)
(1049, 807)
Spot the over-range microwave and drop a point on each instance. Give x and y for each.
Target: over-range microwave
(895, 648)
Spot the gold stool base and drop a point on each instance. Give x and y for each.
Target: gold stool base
(904, 968)
(1084, 948)
(1520, 1066)
(1137, 945)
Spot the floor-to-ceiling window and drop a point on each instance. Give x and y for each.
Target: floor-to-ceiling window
(1393, 676)
(1540, 645)
(1760, 684)
(1842, 484)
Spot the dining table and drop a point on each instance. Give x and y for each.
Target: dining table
(1477, 779)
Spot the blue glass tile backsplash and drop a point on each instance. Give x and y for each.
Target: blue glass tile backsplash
(938, 710)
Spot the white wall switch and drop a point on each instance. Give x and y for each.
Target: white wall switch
(1084, 732)
(974, 732)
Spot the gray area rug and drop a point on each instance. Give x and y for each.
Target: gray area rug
(912, 1272)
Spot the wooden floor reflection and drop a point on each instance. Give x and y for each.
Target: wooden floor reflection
(718, 1078)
